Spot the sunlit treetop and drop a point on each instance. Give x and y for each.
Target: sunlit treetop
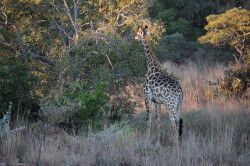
(230, 28)
(223, 28)
(122, 15)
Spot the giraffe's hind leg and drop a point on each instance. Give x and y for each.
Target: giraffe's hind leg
(174, 127)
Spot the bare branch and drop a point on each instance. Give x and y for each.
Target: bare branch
(11, 46)
(126, 6)
(236, 59)
(39, 70)
(19, 38)
(64, 33)
(68, 12)
(76, 8)
(117, 19)
(35, 56)
(4, 15)
(73, 21)
(109, 61)
(121, 14)
(20, 47)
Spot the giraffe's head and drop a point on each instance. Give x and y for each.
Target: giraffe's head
(141, 33)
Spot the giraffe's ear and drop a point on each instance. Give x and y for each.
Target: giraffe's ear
(145, 30)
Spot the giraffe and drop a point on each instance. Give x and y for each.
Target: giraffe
(160, 88)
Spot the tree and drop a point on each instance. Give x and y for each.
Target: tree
(24, 30)
(230, 28)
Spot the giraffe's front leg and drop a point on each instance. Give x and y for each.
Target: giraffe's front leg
(148, 103)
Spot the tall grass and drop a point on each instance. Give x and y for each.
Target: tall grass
(196, 82)
(210, 138)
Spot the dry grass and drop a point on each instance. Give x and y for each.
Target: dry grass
(210, 138)
(199, 85)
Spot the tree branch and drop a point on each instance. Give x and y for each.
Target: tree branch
(64, 33)
(20, 47)
(73, 21)
(35, 56)
(4, 15)
(109, 61)
(11, 46)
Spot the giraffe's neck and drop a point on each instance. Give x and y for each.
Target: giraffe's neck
(152, 62)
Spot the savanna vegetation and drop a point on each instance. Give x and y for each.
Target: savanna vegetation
(71, 79)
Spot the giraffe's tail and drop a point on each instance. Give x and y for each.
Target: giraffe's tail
(180, 129)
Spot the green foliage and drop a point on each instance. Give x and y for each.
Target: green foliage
(174, 23)
(167, 16)
(31, 18)
(180, 25)
(192, 11)
(117, 16)
(196, 10)
(176, 48)
(107, 60)
(16, 86)
(90, 100)
(131, 60)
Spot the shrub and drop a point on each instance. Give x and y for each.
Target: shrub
(236, 82)
(91, 101)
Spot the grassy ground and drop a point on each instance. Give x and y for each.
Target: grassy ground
(210, 137)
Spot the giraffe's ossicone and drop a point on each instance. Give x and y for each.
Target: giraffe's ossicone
(160, 88)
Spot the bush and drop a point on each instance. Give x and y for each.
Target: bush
(236, 82)
(91, 102)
